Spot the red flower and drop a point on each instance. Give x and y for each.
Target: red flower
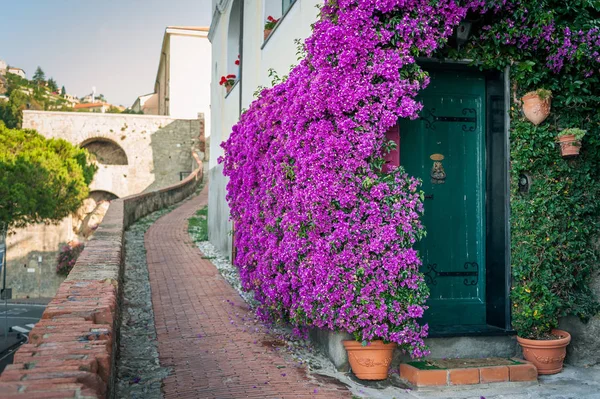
(231, 76)
(270, 19)
(223, 80)
(237, 62)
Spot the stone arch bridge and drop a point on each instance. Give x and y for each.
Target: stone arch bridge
(135, 153)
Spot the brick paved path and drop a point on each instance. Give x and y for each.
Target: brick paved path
(206, 333)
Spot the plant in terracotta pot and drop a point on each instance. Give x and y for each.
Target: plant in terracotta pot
(536, 105)
(536, 310)
(270, 25)
(570, 141)
(227, 81)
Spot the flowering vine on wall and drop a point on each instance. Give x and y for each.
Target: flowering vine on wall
(323, 231)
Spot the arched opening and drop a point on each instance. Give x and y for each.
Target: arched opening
(233, 39)
(105, 151)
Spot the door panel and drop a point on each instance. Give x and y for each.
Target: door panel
(446, 149)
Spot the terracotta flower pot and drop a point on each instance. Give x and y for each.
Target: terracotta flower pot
(228, 88)
(569, 146)
(546, 355)
(267, 33)
(370, 362)
(535, 109)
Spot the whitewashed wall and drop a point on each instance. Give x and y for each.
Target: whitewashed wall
(189, 77)
(258, 56)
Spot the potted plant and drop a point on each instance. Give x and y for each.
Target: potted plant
(227, 81)
(536, 105)
(370, 360)
(570, 141)
(536, 309)
(270, 25)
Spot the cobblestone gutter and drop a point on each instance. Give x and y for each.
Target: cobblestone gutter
(139, 373)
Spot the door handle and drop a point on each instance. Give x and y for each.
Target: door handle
(430, 196)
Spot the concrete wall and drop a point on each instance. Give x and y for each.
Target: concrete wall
(157, 148)
(584, 349)
(258, 56)
(72, 350)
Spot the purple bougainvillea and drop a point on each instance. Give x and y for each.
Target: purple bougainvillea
(324, 232)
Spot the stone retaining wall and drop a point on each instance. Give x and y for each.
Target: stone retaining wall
(71, 352)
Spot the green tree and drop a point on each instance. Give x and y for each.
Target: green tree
(113, 110)
(41, 180)
(39, 76)
(11, 112)
(52, 85)
(63, 91)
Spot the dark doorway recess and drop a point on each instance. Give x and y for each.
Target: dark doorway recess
(459, 147)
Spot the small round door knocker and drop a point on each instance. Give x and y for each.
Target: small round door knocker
(438, 174)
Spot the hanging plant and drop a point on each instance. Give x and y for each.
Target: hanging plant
(570, 141)
(536, 105)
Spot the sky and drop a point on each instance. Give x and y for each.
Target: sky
(114, 45)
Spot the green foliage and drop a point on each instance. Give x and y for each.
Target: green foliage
(554, 227)
(63, 91)
(11, 111)
(198, 225)
(52, 86)
(39, 76)
(25, 94)
(130, 111)
(41, 180)
(578, 133)
(113, 110)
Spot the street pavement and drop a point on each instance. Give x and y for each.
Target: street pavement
(16, 320)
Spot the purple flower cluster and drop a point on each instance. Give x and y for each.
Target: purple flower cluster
(516, 26)
(323, 230)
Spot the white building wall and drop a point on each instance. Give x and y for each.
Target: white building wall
(190, 71)
(258, 56)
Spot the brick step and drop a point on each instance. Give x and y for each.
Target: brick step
(474, 371)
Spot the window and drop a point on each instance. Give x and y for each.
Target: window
(233, 39)
(285, 5)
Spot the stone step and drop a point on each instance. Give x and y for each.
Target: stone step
(450, 372)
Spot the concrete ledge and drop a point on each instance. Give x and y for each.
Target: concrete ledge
(72, 350)
(330, 343)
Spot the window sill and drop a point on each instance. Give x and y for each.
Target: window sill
(278, 23)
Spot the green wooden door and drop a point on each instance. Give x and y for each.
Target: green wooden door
(446, 149)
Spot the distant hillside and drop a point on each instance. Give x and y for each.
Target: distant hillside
(26, 94)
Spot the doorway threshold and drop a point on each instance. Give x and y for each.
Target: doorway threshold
(476, 330)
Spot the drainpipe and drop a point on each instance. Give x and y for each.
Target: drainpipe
(241, 51)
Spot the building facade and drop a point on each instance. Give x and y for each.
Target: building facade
(182, 81)
(146, 104)
(17, 71)
(232, 36)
